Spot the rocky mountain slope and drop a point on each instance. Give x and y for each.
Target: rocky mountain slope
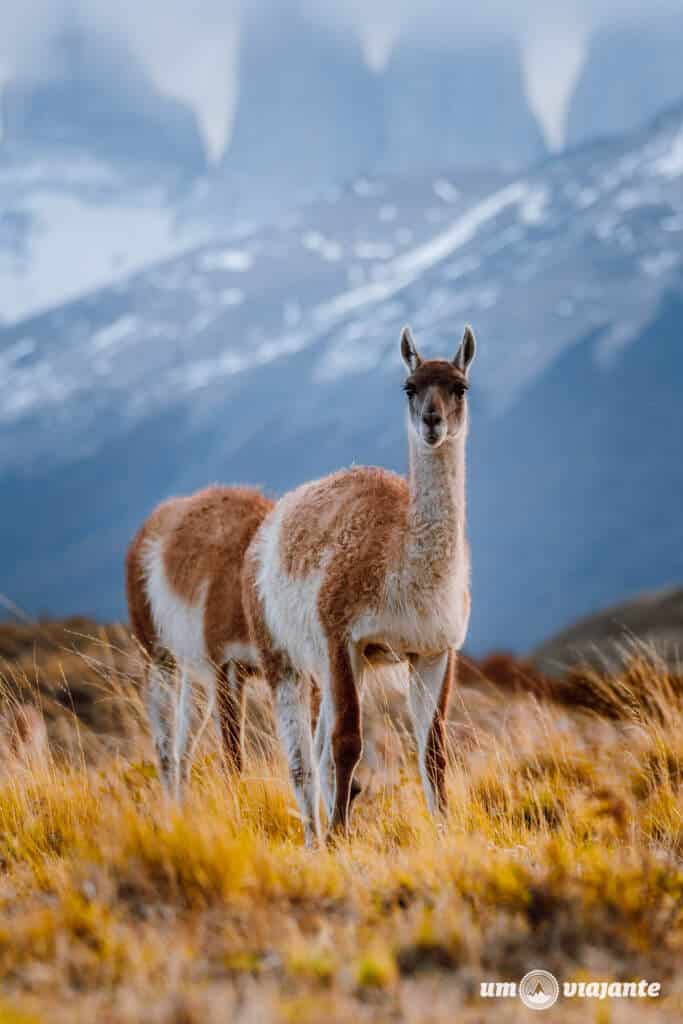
(271, 356)
(649, 626)
(632, 70)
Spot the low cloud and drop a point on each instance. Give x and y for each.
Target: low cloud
(191, 50)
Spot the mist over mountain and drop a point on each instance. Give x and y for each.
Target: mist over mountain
(95, 99)
(96, 169)
(310, 112)
(270, 355)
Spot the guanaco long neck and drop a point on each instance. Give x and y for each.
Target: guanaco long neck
(436, 525)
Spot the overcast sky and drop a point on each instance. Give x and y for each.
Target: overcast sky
(190, 48)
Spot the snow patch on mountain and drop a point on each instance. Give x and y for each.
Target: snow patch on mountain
(586, 244)
(71, 244)
(670, 163)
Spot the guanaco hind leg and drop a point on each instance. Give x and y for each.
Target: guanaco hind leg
(230, 693)
(159, 694)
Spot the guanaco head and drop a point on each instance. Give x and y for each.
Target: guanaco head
(436, 390)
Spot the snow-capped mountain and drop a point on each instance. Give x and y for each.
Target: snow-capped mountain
(272, 356)
(101, 174)
(311, 112)
(223, 308)
(309, 108)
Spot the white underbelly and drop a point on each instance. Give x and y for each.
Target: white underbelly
(406, 630)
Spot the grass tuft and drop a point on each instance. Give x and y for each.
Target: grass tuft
(562, 848)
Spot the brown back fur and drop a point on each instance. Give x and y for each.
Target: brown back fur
(205, 537)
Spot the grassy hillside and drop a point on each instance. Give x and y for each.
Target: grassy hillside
(562, 849)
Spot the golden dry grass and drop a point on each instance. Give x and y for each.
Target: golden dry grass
(563, 849)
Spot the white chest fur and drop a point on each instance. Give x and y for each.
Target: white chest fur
(406, 623)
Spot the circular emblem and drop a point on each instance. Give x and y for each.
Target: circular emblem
(539, 990)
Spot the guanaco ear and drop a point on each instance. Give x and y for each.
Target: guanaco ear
(465, 354)
(411, 357)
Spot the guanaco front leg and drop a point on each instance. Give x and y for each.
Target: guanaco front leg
(429, 691)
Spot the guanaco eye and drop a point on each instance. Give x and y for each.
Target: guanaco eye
(459, 390)
(410, 390)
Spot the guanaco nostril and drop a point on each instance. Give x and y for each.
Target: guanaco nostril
(431, 419)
